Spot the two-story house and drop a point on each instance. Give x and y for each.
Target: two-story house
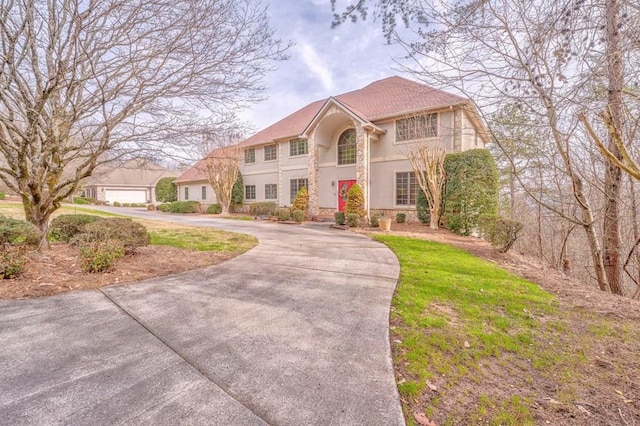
(359, 136)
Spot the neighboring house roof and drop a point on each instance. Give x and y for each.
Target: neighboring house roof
(380, 100)
(136, 172)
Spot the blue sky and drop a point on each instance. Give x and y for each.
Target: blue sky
(323, 61)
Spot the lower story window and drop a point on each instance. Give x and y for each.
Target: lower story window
(250, 192)
(186, 193)
(204, 193)
(271, 191)
(406, 189)
(296, 184)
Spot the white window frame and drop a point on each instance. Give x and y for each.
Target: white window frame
(297, 142)
(266, 192)
(395, 189)
(250, 156)
(275, 152)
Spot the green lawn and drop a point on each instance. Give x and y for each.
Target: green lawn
(453, 317)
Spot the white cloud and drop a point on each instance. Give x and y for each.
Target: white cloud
(316, 65)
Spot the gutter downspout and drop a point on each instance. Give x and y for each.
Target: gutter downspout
(368, 176)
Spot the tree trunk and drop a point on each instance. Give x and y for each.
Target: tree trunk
(613, 174)
(39, 216)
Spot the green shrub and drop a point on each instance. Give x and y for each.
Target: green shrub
(117, 204)
(471, 189)
(165, 207)
(355, 201)
(302, 200)
(283, 213)
(373, 220)
(401, 218)
(3, 195)
(262, 209)
(339, 218)
(422, 207)
(12, 261)
(298, 215)
(126, 205)
(184, 207)
(166, 190)
(502, 233)
(131, 234)
(353, 219)
(65, 227)
(14, 231)
(214, 209)
(80, 200)
(99, 256)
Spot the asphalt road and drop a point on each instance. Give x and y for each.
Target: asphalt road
(293, 332)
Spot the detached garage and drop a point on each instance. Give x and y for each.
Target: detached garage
(131, 182)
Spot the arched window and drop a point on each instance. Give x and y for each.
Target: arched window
(347, 147)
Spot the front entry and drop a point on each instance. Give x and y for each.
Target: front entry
(343, 188)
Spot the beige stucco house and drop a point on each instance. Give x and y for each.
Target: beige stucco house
(134, 181)
(360, 136)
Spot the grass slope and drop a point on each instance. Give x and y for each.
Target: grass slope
(474, 344)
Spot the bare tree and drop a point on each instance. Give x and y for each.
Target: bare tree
(222, 166)
(427, 161)
(83, 82)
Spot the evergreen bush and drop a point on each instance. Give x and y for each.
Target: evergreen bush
(339, 218)
(237, 193)
(353, 219)
(214, 209)
(166, 190)
(12, 261)
(298, 215)
(422, 207)
(131, 234)
(355, 201)
(99, 256)
(502, 233)
(3, 195)
(401, 217)
(373, 220)
(471, 189)
(14, 231)
(283, 214)
(164, 207)
(302, 200)
(184, 207)
(117, 204)
(64, 227)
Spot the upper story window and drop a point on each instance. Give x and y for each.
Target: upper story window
(270, 153)
(250, 155)
(347, 147)
(298, 147)
(418, 127)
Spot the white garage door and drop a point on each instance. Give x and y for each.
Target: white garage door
(125, 196)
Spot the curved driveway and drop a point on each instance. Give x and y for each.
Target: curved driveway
(293, 332)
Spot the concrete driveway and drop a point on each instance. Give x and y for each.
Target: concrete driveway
(294, 332)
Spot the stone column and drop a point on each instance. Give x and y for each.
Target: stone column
(362, 162)
(312, 178)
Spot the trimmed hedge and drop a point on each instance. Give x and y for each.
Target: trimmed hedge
(65, 227)
(263, 209)
(401, 218)
(339, 218)
(165, 207)
(184, 207)
(373, 220)
(131, 234)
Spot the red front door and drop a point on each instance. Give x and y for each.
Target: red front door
(343, 188)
